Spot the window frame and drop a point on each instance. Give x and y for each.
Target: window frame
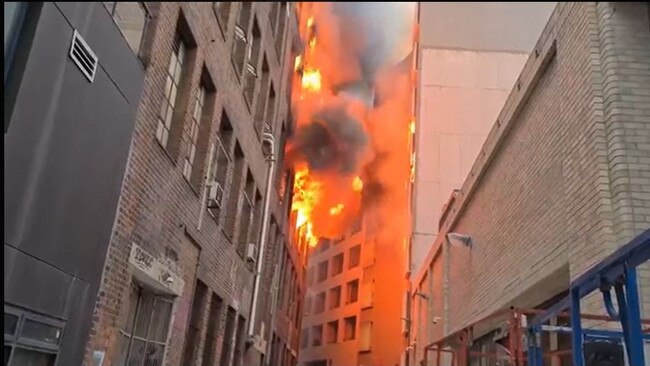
(12, 44)
(17, 341)
(168, 102)
(147, 19)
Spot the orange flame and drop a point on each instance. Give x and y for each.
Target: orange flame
(357, 184)
(311, 80)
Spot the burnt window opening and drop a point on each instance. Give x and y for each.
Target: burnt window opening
(354, 256)
(337, 264)
(332, 332)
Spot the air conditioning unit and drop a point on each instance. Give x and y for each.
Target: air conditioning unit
(215, 195)
(251, 253)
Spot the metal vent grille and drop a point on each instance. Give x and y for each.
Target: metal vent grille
(83, 56)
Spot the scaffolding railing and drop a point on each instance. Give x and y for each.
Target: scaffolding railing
(510, 338)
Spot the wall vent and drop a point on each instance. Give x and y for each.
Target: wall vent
(83, 56)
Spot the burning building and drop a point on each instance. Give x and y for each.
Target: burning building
(353, 107)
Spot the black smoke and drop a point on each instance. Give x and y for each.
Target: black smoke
(333, 141)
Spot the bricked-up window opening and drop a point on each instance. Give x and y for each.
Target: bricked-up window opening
(304, 338)
(335, 297)
(247, 212)
(365, 336)
(322, 271)
(30, 339)
(279, 34)
(354, 257)
(350, 331)
(319, 307)
(233, 210)
(262, 97)
(228, 337)
(337, 264)
(331, 335)
(238, 356)
(131, 18)
(221, 164)
(316, 335)
(222, 11)
(352, 292)
(212, 331)
(144, 335)
(194, 327)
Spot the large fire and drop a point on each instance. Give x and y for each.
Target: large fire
(332, 180)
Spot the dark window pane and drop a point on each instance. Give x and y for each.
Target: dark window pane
(124, 348)
(160, 321)
(137, 353)
(23, 357)
(10, 323)
(154, 354)
(143, 318)
(7, 352)
(41, 332)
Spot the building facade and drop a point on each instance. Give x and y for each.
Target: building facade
(464, 76)
(561, 181)
(183, 263)
(72, 85)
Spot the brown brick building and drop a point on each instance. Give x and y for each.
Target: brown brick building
(178, 279)
(562, 180)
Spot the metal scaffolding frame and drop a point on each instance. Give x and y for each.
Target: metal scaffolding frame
(617, 271)
(522, 340)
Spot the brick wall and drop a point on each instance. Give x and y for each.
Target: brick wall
(159, 210)
(563, 178)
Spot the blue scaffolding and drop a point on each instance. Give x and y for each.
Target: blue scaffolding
(618, 271)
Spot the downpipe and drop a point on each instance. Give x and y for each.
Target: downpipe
(269, 139)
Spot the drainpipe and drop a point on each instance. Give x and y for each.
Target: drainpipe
(266, 138)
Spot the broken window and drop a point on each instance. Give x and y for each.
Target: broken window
(350, 328)
(335, 297)
(332, 331)
(354, 257)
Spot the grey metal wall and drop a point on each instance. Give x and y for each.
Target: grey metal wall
(65, 154)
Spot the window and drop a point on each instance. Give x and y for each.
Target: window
(30, 339)
(352, 292)
(337, 264)
(332, 331)
(239, 45)
(304, 338)
(253, 57)
(131, 18)
(212, 331)
(235, 195)
(367, 292)
(246, 214)
(322, 271)
(260, 107)
(14, 15)
(335, 297)
(195, 125)
(172, 84)
(316, 335)
(239, 343)
(350, 328)
(194, 326)
(279, 35)
(307, 309)
(222, 11)
(270, 106)
(324, 244)
(228, 337)
(144, 335)
(354, 257)
(219, 168)
(319, 307)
